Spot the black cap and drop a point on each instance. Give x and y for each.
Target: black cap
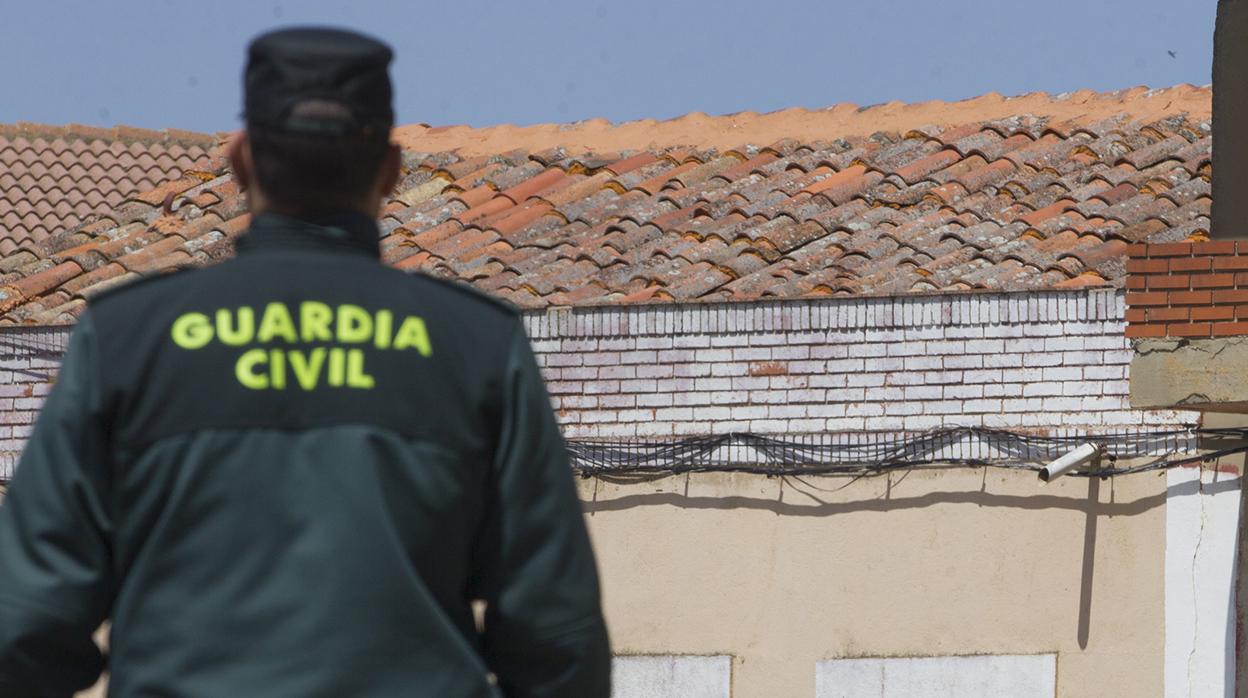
(318, 81)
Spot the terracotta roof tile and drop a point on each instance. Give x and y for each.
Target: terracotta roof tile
(76, 285)
(475, 196)
(626, 165)
(1003, 203)
(56, 176)
(43, 281)
(492, 207)
(530, 187)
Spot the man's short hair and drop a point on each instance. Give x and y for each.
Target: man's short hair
(307, 171)
(307, 174)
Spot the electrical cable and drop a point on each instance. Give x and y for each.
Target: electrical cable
(872, 453)
(875, 453)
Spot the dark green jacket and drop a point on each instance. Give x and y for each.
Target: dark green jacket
(290, 474)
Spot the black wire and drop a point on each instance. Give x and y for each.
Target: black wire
(821, 454)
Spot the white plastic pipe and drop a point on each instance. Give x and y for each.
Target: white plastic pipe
(1080, 456)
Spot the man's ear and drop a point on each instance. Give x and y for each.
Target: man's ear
(239, 153)
(390, 169)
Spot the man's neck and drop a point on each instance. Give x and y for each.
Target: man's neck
(346, 227)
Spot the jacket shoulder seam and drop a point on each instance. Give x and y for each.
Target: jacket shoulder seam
(144, 281)
(461, 288)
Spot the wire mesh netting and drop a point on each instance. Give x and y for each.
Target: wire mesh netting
(855, 453)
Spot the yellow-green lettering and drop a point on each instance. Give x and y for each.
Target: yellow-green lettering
(355, 325)
(384, 328)
(276, 323)
(314, 320)
(277, 369)
(412, 333)
(356, 377)
(337, 367)
(192, 331)
(307, 369)
(245, 369)
(232, 334)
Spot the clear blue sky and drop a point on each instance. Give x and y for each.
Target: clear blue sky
(177, 63)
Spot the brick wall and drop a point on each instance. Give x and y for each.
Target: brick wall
(29, 359)
(1188, 289)
(1037, 361)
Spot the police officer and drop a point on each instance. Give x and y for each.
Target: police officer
(293, 473)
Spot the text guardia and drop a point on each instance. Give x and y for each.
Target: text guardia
(323, 344)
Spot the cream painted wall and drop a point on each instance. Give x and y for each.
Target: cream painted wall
(781, 573)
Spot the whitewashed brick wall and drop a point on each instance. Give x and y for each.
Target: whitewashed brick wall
(29, 359)
(1035, 361)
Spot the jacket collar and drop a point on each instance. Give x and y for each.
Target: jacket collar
(348, 231)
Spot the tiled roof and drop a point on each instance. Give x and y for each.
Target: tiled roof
(807, 125)
(1023, 202)
(52, 178)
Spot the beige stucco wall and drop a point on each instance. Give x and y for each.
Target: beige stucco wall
(780, 573)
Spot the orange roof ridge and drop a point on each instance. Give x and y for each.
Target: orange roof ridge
(841, 120)
(124, 134)
(1005, 201)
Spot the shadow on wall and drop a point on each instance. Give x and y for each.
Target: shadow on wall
(797, 496)
(812, 503)
(791, 496)
(1089, 562)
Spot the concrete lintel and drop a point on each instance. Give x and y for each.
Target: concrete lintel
(1191, 374)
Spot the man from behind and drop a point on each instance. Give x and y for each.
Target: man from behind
(292, 473)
